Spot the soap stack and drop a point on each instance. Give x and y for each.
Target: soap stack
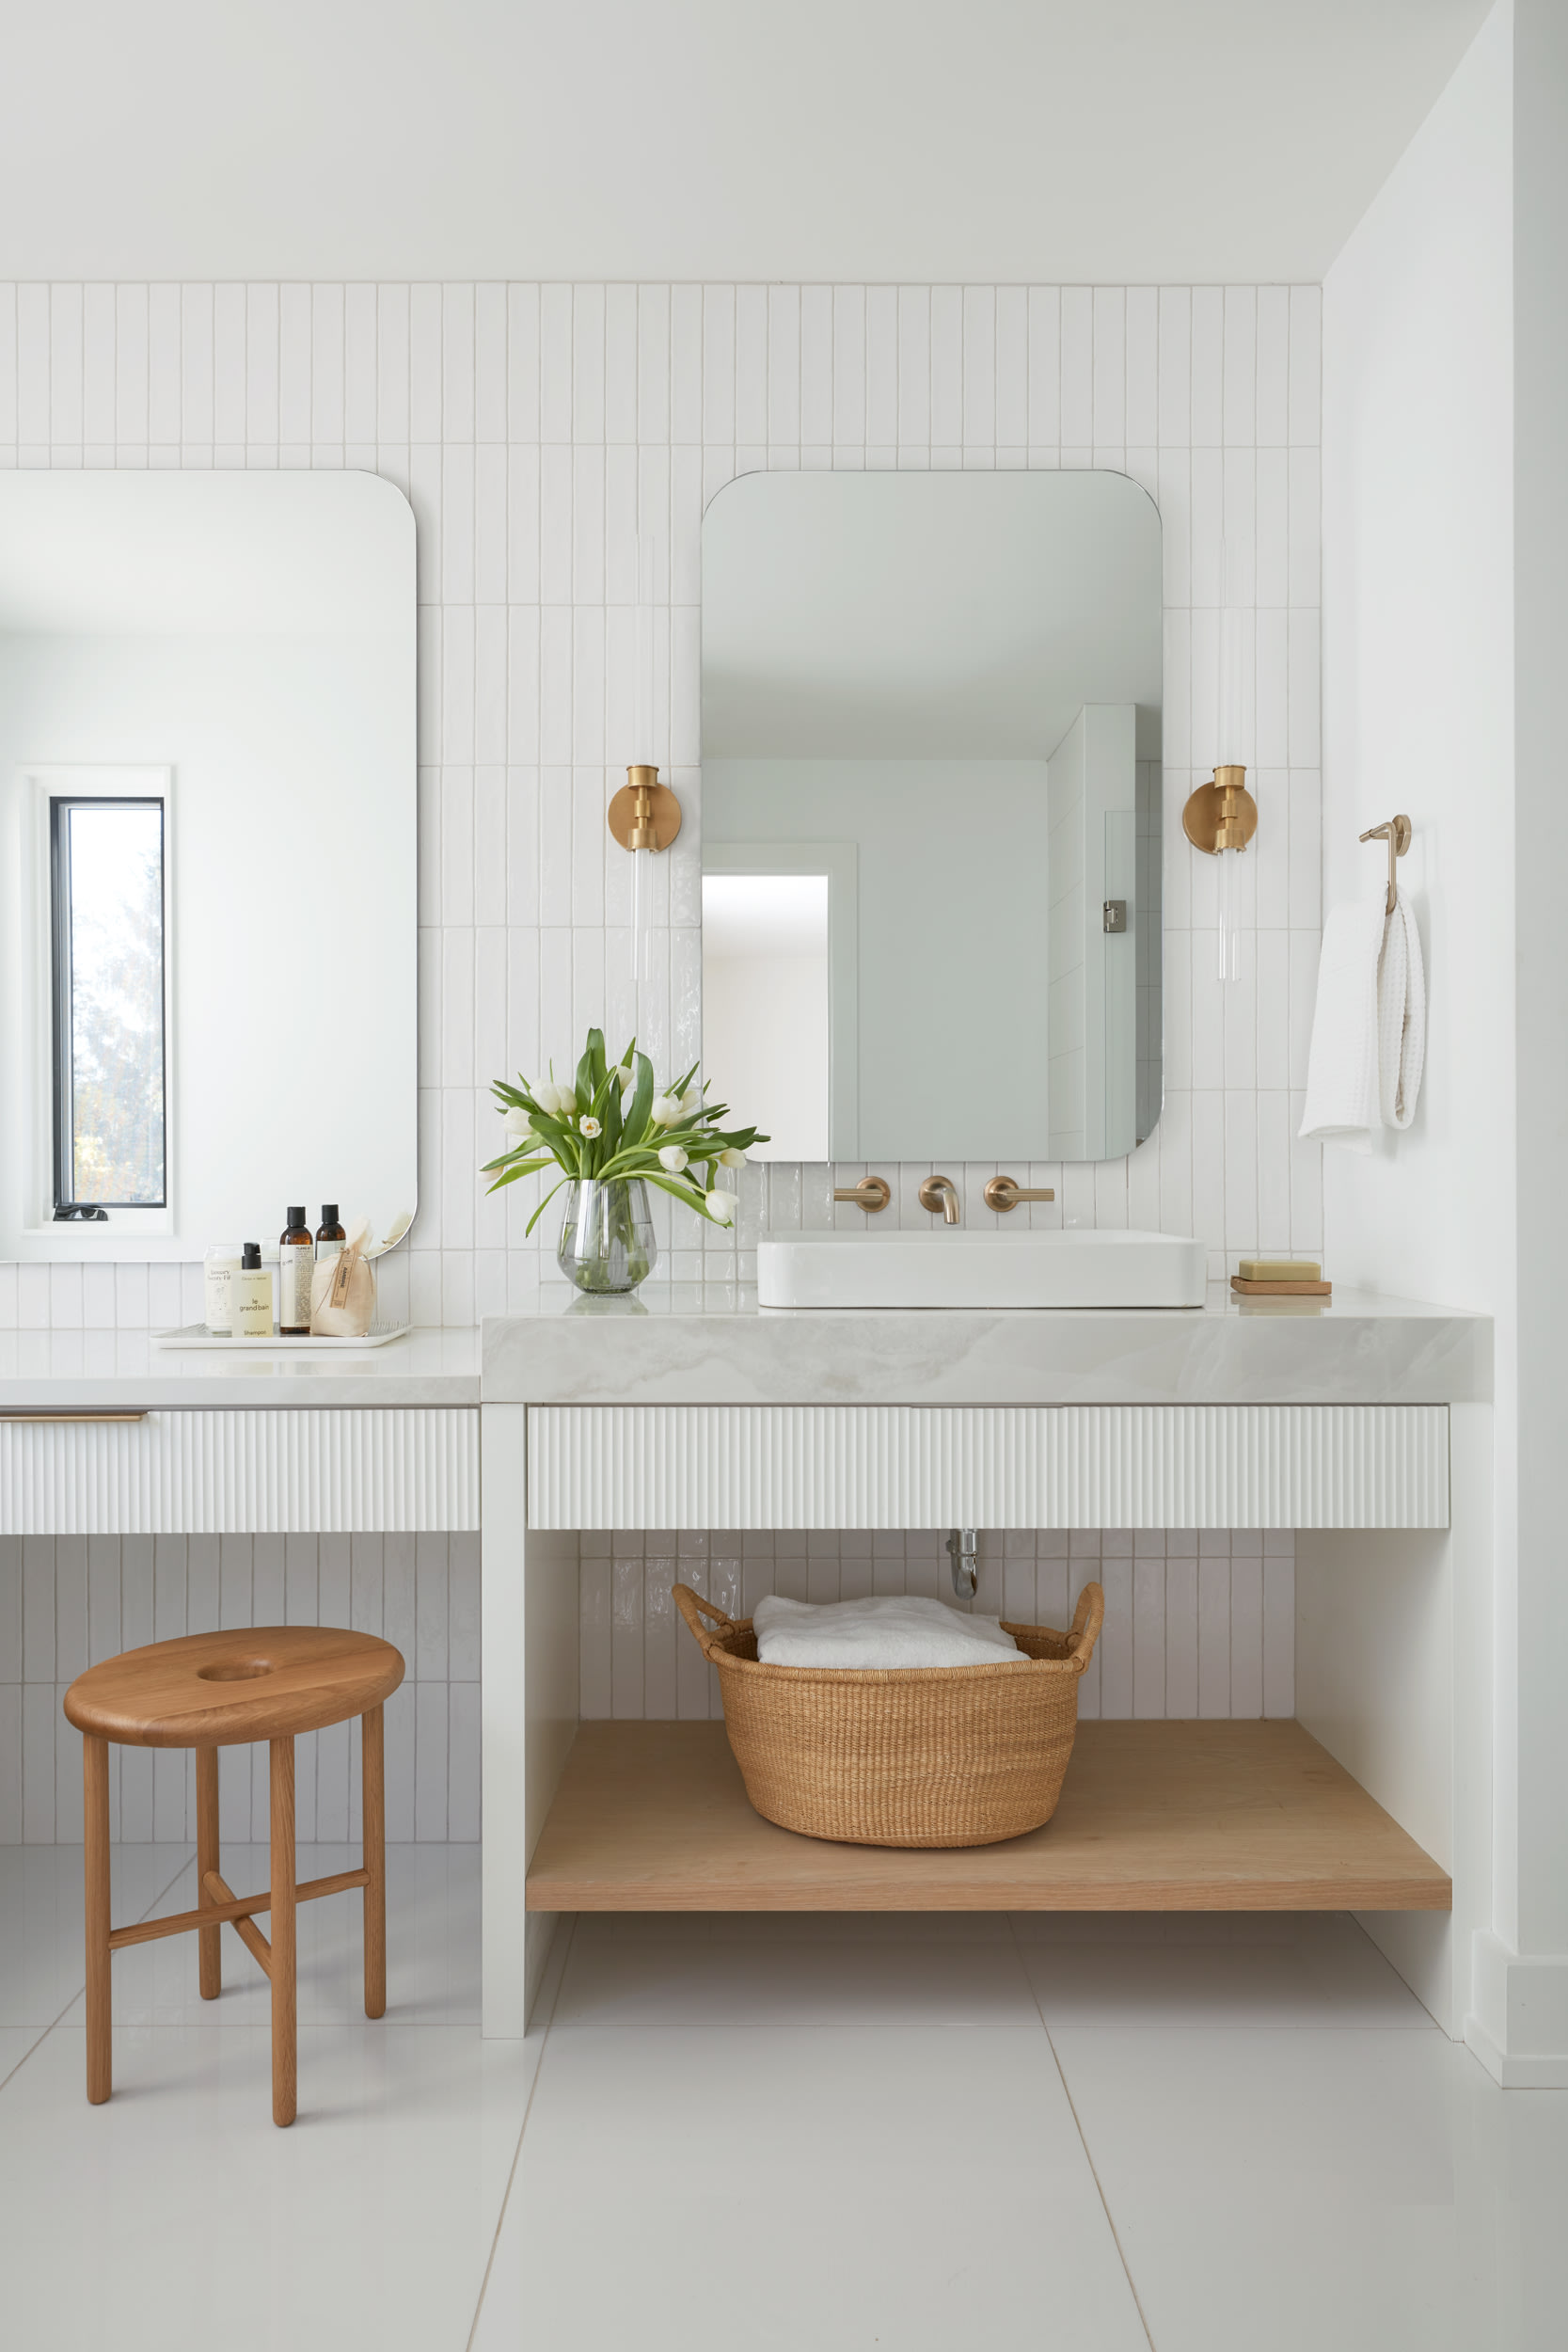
(1281, 1278)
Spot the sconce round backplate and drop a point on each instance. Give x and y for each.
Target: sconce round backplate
(666, 815)
(1200, 818)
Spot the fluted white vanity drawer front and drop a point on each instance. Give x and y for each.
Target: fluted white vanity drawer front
(394, 1470)
(830, 1466)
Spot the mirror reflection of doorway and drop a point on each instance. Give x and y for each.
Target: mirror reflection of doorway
(765, 1002)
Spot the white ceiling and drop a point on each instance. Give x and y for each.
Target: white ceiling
(1118, 140)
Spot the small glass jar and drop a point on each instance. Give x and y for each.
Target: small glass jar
(218, 1267)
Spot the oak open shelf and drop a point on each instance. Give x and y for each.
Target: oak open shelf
(1154, 1817)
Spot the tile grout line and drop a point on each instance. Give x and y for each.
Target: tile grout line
(1083, 2141)
(33, 2047)
(522, 2128)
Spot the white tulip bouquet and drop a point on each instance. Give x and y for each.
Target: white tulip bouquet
(612, 1122)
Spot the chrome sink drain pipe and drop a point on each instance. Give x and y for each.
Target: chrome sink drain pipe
(960, 1550)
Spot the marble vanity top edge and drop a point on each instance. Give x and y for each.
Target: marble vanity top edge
(63, 1372)
(1362, 1349)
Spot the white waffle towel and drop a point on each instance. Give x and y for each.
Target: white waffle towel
(884, 1630)
(1369, 1031)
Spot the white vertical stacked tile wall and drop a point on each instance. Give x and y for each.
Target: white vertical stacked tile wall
(67, 1602)
(1196, 1624)
(538, 429)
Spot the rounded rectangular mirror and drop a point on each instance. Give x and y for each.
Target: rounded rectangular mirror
(207, 949)
(931, 813)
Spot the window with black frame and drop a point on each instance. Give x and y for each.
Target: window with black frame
(110, 1048)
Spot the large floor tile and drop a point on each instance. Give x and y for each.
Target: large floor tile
(433, 1946)
(1322, 1971)
(41, 1965)
(871, 1983)
(15, 2042)
(788, 2188)
(177, 2216)
(1367, 2189)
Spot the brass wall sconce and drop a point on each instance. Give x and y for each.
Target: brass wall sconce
(1222, 814)
(1220, 817)
(644, 814)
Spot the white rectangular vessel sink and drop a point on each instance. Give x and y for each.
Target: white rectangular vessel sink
(1078, 1267)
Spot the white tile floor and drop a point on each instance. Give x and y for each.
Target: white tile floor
(1082, 2133)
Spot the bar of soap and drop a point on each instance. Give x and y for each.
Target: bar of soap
(1280, 1270)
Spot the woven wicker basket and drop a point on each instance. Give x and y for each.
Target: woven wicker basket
(922, 1756)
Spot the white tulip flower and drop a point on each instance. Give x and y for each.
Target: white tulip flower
(732, 1159)
(721, 1207)
(666, 1111)
(591, 1128)
(673, 1157)
(517, 1122)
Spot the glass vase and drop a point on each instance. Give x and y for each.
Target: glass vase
(607, 1235)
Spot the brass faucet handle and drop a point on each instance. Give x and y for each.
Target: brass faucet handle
(871, 1193)
(1002, 1194)
(940, 1194)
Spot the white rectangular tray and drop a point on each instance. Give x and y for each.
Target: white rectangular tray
(197, 1335)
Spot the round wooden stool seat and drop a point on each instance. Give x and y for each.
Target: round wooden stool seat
(212, 1690)
(216, 1690)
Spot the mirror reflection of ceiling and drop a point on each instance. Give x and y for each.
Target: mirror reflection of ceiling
(925, 615)
(197, 554)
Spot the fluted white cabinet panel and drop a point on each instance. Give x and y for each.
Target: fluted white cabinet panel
(1127, 1465)
(394, 1470)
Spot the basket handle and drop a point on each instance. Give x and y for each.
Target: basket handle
(1087, 1618)
(693, 1607)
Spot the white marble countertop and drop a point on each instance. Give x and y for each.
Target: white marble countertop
(675, 1345)
(81, 1371)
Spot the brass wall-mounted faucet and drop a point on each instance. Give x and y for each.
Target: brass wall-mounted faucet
(940, 1192)
(1002, 1193)
(871, 1193)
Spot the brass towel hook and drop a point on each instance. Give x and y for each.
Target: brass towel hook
(1397, 833)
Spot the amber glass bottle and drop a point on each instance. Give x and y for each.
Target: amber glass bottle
(297, 1256)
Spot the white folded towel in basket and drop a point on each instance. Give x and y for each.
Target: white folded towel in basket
(883, 1629)
(1370, 1026)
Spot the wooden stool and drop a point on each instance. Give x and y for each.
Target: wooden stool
(214, 1691)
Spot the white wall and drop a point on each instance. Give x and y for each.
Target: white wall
(1541, 604)
(1418, 717)
(1445, 518)
(1418, 673)
(529, 426)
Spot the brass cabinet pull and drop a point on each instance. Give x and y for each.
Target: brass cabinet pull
(47, 1418)
(1002, 1194)
(871, 1193)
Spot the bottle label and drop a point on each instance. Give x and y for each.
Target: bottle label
(219, 1311)
(252, 1296)
(294, 1264)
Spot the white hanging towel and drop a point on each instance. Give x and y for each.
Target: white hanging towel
(1369, 1031)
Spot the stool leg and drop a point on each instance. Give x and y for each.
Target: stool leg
(209, 1939)
(374, 1835)
(95, 1787)
(283, 2050)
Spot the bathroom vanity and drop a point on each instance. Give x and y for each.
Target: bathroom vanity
(1361, 1424)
